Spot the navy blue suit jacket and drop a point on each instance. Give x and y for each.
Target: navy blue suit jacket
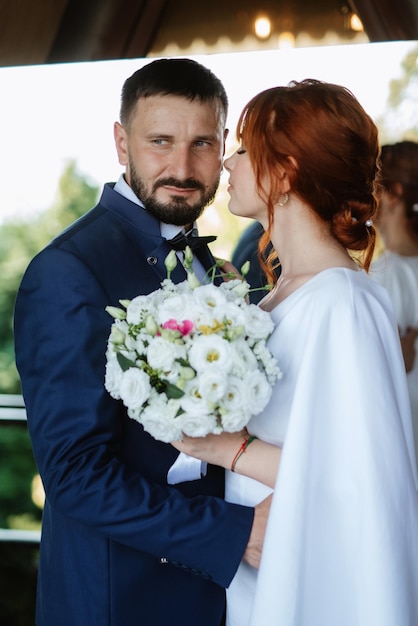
(119, 546)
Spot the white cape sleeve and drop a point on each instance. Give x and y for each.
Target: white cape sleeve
(341, 547)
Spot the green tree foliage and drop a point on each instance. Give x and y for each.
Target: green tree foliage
(17, 470)
(400, 121)
(19, 242)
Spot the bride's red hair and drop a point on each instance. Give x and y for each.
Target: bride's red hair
(334, 150)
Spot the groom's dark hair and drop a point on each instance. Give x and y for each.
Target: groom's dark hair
(177, 77)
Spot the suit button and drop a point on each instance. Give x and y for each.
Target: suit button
(164, 560)
(152, 260)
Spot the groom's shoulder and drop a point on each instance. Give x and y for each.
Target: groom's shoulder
(95, 229)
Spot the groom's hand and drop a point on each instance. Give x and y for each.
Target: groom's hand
(252, 554)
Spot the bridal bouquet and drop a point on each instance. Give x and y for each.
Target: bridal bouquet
(190, 358)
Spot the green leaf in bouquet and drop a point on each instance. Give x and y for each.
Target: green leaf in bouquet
(173, 392)
(124, 362)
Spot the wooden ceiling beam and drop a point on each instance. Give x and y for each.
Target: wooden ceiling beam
(28, 29)
(106, 29)
(388, 20)
(53, 31)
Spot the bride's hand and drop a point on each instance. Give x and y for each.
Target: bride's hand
(215, 449)
(231, 450)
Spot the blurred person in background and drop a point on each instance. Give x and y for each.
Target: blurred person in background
(397, 268)
(246, 249)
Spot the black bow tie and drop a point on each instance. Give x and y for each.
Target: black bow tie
(180, 241)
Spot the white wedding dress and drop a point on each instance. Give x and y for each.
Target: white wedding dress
(341, 546)
(399, 275)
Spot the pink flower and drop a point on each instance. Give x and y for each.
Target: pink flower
(185, 327)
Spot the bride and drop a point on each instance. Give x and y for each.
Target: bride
(335, 444)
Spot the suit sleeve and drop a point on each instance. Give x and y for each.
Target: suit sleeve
(61, 329)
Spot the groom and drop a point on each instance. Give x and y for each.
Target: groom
(123, 543)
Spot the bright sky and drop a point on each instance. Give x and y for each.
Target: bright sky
(52, 114)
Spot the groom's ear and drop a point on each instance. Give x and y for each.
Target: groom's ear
(121, 143)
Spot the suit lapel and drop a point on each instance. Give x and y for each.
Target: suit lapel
(146, 230)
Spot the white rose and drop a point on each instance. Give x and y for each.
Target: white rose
(205, 315)
(210, 296)
(233, 406)
(237, 287)
(162, 353)
(192, 402)
(113, 375)
(257, 392)
(159, 419)
(234, 313)
(211, 351)
(258, 323)
(136, 309)
(234, 398)
(198, 425)
(201, 315)
(134, 388)
(212, 385)
(183, 288)
(173, 307)
(243, 358)
(234, 421)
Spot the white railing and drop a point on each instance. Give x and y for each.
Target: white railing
(12, 408)
(12, 411)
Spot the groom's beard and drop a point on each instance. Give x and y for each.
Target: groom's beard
(176, 211)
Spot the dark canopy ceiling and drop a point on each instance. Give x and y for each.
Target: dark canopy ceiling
(52, 31)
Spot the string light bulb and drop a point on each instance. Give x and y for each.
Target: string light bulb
(286, 40)
(356, 23)
(262, 27)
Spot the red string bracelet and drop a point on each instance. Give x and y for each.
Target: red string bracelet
(241, 451)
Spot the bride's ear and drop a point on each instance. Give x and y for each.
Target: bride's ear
(284, 185)
(286, 182)
(283, 177)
